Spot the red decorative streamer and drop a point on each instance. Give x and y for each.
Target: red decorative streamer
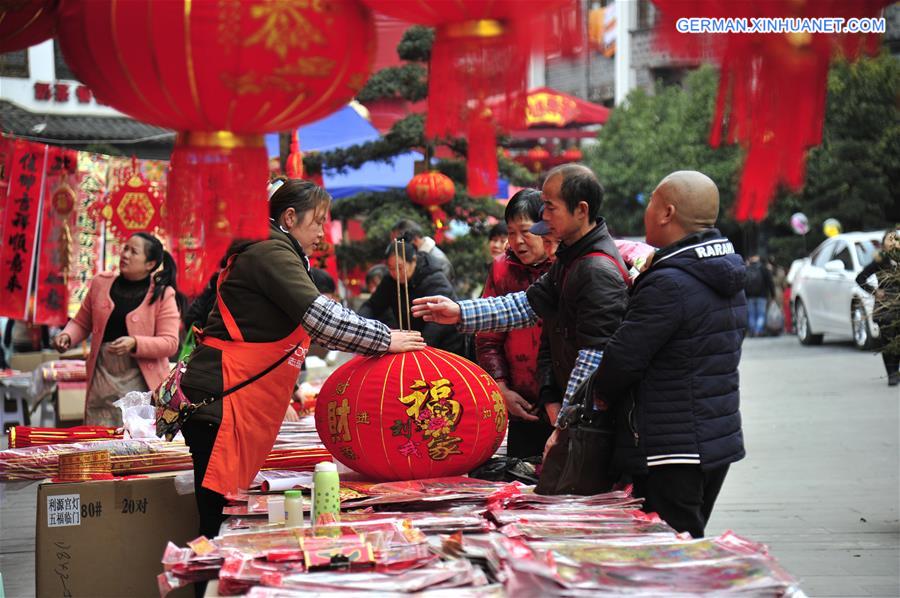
(757, 70)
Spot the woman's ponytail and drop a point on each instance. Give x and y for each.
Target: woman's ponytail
(166, 269)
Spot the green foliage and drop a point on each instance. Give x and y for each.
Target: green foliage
(853, 174)
(415, 45)
(407, 81)
(653, 135)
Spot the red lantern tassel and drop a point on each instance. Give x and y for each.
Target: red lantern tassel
(216, 193)
(481, 173)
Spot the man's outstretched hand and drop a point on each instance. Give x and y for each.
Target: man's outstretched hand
(437, 309)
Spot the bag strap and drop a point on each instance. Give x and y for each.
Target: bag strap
(619, 267)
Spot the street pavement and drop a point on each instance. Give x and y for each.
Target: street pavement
(819, 484)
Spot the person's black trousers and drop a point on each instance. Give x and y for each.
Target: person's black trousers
(682, 495)
(200, 436)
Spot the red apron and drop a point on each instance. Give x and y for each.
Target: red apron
(251, 416)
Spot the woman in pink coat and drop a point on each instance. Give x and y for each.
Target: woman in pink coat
(133, 322)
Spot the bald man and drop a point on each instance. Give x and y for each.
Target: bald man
(671, 368)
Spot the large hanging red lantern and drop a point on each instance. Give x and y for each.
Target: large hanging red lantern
(221, 73)
(24, 23)
(424, 414)
(481, 52)
(431, 190)
(756, 69)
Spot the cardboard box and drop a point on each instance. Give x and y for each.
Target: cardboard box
(31, 360)
(106, 538)
(70, 400)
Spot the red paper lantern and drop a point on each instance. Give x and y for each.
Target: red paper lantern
(481, 51)
(221, 73)
(24, 23)
(536, 159)
(431, 190)
(423, 414)
(573, 154)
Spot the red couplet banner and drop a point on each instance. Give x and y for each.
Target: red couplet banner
(56, 245)
(20, 219)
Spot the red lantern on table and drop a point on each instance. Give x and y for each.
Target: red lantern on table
(24, 23)
(222, 74)
(481, 52)
(407, 416)
(431, 190)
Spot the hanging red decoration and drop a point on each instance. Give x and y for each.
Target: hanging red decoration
(222, 73)
(134, 207)
(756, 68)
(573, 154)
(431, 190)
(424, 414)
(481, 52)
(536, 159)
(24, 23)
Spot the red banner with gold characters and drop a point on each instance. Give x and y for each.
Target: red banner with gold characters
(56, 244)
(20, 217)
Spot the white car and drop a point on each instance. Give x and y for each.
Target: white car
(824, 294)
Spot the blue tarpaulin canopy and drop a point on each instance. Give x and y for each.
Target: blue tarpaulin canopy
(342, 129)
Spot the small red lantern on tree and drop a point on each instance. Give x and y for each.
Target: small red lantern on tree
(222, 74)
(431, 190)
(573, 154)
(424, 414)
(536, 159)
(24, 23)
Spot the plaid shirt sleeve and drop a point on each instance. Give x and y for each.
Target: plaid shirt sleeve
(496, 314)
(588, 361)
(336, 327)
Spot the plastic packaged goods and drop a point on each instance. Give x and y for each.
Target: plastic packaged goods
(293, 508)
(276, 509)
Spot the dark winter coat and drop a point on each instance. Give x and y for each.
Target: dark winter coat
(672, 366)
(887, 273)
(581, 299)
(427, 280)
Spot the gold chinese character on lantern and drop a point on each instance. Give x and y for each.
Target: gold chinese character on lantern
(338, 425)
(434, 412)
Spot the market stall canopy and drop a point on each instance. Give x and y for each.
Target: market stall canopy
(345, 128)
(552, 113)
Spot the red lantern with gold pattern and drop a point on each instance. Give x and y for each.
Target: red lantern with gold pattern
(431, 190)
(424, 414)
(222, 73)
(481, 51)
(24, 23)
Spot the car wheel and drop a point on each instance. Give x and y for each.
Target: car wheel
(862, 335)
(803, 331)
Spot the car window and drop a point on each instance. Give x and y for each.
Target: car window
(844, 256)
(866, 250)
(822, 255)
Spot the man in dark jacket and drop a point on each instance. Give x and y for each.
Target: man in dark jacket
(672, 366)
(581, 299)
(759, 289)
(424, 278)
